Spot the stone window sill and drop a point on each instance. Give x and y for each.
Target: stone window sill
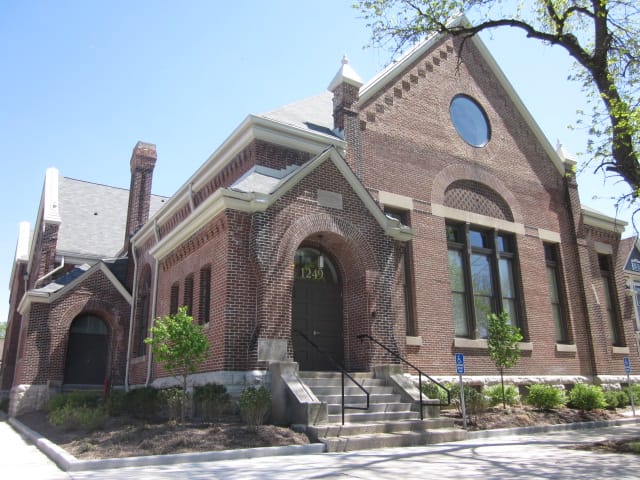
(414, 341)
(620, 350)
(566, 348)
(136, 360)
(481, 343)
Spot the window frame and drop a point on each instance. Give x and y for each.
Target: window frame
(204, 298)
(174, 298)
(612, 310)
(187, 293)
(552, 262)
(408, 273)
(491, 250)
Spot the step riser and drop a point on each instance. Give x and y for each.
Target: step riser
(386, 440)
(329, 390)
(351, 399)
(323, 382)
(350, 429)
(371, 417)
(373, 407)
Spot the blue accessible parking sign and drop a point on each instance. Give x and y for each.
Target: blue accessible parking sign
(627, 365)
(459, 363)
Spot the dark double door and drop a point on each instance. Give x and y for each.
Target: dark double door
(317, 312)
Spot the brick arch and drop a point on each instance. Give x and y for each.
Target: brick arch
(454, 173)
(306, 226)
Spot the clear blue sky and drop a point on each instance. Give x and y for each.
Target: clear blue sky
(83, 81)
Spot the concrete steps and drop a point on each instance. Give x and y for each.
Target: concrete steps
(388, 422)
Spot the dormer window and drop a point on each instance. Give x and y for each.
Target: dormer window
(635, 265)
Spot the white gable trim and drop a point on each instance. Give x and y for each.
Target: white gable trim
(252, 128)
(44, 297)
(224, 199)
(378, 82)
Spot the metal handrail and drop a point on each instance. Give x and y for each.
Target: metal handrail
(343, 374)
(362, 336)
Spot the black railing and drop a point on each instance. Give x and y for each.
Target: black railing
(343, 372)
(362, 336)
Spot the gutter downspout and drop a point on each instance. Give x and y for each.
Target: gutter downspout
(154, 298)
(47, 275)
(131, 315)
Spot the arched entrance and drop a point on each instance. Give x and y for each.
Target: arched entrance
(87, 351)
(316, 310)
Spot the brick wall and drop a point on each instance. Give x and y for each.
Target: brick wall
(46, 330)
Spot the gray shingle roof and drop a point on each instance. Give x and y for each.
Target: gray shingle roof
(313, 113)
(93, 218)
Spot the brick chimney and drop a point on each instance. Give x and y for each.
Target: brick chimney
(143, 160)
(345, 87)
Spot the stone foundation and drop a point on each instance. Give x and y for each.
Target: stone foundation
(235, 381)
(28, 398)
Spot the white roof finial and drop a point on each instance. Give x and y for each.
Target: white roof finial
(346, 74)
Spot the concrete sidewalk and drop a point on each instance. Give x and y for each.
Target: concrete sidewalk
(19, 458)
(487, 455)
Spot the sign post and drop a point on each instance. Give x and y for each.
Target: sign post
(627, 368)
(460, 372)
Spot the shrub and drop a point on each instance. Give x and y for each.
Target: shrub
(635, 389)
(545, 397)
(586, 397)
(623, 398)
(475, 402)
(116, 402)
(611, 399)
(73, 417)
(142, 402)
(255, 404)
(431, 390)
(494, 395)
(169, 403)
(212, 400)
(74, 399)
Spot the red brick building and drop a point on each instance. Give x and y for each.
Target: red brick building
(406, 208)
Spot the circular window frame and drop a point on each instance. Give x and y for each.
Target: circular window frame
(461, 130)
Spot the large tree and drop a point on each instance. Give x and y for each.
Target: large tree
(602, 36)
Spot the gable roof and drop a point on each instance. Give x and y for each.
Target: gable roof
(261, 187)
(66, 283)
(312, 113)
(93, 218)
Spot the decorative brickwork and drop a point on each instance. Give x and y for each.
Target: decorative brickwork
(477, 198)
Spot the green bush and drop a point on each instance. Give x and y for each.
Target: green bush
(142, 402)
(169, 402)
(494, 395)
(116, 402)
(72, 417)
(545, 397)
(212, 400)
(475, 402)
(635, 389)
(623, 398)
(611, 398)
(586, 397)
(74, 399)
(433, 391)
(255, 404)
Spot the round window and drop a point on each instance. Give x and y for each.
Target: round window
(470, 121)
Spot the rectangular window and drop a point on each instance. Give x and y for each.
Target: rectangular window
(610, 303)
(407, 274)
(143, 316)
(188, 294)
(483, 272)
(175, 292)
(554, 281)
(204, 305)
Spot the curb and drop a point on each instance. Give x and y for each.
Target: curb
(503, 432)
(69, 463)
